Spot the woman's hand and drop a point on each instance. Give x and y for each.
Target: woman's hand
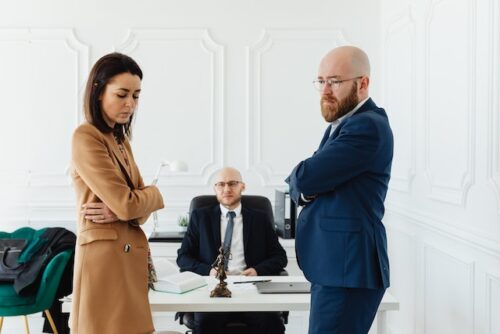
(98, 213)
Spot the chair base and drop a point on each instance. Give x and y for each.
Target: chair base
(27, 327)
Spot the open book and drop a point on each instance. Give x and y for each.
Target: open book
(171, 280)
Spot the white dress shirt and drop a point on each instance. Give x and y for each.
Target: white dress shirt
(236, 263)
(336, 122)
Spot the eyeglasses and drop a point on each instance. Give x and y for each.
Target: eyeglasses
(230, 184)
(334, 84)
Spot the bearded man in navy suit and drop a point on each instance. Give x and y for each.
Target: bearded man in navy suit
(340, 239)
(254, 248)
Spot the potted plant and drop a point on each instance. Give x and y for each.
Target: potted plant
(183, 222)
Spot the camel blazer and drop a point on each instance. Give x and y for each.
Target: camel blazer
(110, 287)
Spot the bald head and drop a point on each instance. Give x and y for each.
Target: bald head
(348, 59)
(228, 187)
(344, 79)
(228, 173)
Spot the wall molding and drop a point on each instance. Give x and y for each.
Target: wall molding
(67, 35)
(436, 225)
(453, 194)
(14, 179)
(48, 180)
(54, 205)
(404, 260)
(401, 230)
(37, 213)
(269, 37)
(469, 267)
(494, 114)
(491, 280)
(401, 22)
(81, 53)
(216, 53)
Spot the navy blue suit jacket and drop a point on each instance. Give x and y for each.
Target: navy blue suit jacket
(200, 245)
(340, 238)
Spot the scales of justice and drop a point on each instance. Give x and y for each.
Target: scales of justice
(219, 265)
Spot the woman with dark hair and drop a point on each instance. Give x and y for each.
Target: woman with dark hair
(110, 287)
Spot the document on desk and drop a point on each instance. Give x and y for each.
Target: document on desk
(237, 282)
(171, 280)
(233, 282)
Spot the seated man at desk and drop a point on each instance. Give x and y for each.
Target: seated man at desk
(252, 243)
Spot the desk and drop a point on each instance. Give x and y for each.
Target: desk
(245, 298)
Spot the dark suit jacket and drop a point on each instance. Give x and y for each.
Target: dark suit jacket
(200, 245)
(340, 238)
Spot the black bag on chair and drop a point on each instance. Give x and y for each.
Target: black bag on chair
(10, 249)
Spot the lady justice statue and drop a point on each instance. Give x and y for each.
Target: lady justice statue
(219, 265)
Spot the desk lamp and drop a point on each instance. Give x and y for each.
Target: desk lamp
(173, 166)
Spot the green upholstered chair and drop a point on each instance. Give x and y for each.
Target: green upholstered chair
(11, 304)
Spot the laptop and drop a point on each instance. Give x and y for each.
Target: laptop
(283, 287)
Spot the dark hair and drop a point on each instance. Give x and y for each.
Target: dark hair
(104, 69)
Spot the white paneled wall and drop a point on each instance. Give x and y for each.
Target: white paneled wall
(271, 134)
(440, 85)
(225, 83)
(229, 83)
(187, 64)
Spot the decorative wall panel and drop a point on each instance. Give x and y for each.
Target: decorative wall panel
(450, 99)
(399, 91)
(182, 102)
(43, 73)
(448, 293)
(493, 295)
(494, 126)
(281, 67)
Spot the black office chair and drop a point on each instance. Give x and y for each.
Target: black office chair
(255, 202)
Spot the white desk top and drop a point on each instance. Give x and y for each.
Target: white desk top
(244, 298)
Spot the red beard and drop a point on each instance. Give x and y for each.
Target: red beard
(332, 109)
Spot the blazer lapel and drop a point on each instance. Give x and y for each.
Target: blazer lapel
(325, 137)
(247, 226)
(368, 105)
(215, 224)
(119, 157)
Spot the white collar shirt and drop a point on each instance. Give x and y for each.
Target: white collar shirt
(349, 114)
(236, 263)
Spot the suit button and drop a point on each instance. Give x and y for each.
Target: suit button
(127, 247)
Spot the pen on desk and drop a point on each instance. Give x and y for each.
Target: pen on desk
(256, 281)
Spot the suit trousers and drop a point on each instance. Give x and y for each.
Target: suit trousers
(338, 310)
(257, 322)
